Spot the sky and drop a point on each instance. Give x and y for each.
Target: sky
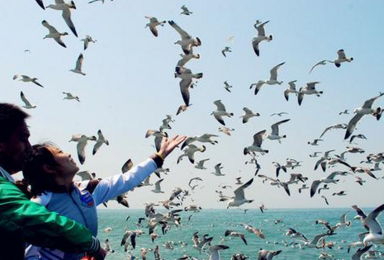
(130, 87)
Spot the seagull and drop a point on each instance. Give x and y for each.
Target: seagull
(54, 34)
(198, 245)
(158, 137)
(127, 166)
(253, 230)
(360, 252)
(272, 79)
(88, 39)
(303, 187)
(220, 112)
(361, 136)
(278, 168)
(200, 164)
(322, 62)
(345, 112)
(185, 10)
(315, 142)
(274, 135)
(293, 233)
(190, 152)
(186, 58)
(337, 126)
(226, 49)
(328, 179)
(186, 42)
(79, 64)
(25, 78)
(260, 36)
(375, 230)
(41, 4)
(359, 112)
(256, 146)
(267, 254)
(81, 143)
(153, 23)
(291, 89)
(70, 96)
(325, 199)
(99, 142)
(218, 168)
(60, 5)
(248, 114)
(205, 138)
(187, 77)
(340, 193)
(341, 57)
(309, 89)
(315, 154)
(226, 130)
(27, 104)
(227, 86)
(239, 198)
(322, 161)
(359, 170)
(214, 251)
(182, 108)
(279, 114)
(157, 187)
(235, 234)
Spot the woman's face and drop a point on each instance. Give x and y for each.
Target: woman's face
(65, 165)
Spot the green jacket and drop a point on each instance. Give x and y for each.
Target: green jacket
(23, 221)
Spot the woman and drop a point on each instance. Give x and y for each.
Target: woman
(50, 172)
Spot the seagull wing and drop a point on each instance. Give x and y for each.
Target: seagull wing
(369, 102)
(50, 28)
(184, 35)
(153, 29)
(79, 62)
(81, 150)
(314, 186)
(67, 18)
(352, 125)
(274, 71)
(219, 105)
(372, 223)
(25, 100)
(360, 252)
(85, 175)
(239, 192)
(260, 29)
(275, 126)
(184, 88)
(341, 54)
(127, 166)
(258, 138)
(41, 4)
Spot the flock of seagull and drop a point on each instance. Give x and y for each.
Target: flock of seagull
(326, 160)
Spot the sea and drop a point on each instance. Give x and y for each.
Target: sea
(214, 222)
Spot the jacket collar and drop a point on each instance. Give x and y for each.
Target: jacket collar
(6, 175)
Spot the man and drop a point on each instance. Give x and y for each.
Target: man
(22, 221)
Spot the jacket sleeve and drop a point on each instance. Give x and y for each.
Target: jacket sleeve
(111, 187)
(40, 227)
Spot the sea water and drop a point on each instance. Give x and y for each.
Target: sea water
(215, 222)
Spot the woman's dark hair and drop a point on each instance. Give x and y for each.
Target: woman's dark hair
(33, 172)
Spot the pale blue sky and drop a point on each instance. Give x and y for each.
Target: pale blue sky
(130, 86)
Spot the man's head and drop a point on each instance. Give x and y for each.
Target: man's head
(14, 136)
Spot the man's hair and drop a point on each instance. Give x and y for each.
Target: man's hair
(11, 117)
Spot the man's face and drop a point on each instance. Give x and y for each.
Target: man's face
(14, 150)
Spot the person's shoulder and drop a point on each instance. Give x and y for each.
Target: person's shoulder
(42, 199)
